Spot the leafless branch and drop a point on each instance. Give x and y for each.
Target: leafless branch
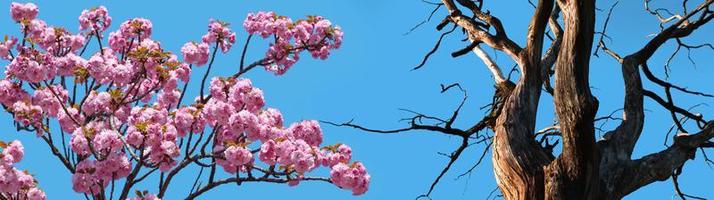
(433, 50)
(436, 8)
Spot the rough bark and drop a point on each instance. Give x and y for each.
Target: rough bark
(574, 174)
(518, 159)
(586, 168)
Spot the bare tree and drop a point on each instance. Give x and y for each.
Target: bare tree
(586, 167)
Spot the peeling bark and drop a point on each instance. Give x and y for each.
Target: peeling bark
(585, 169)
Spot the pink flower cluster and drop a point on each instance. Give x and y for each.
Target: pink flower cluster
(28, 115)
(353, 177)
(144, 195)
(16, 184)
(96, 19)
(219, 33)
(130, 33)
(314, 34)
(59, 41)
(339, 153)
(138, 27)
(5, 47)
(128, 105)
(12, 92)
(20, 12)
(92, 176)
(31, 66)
(49, 98)
(151, 130)
(195, 53)
(236, 110)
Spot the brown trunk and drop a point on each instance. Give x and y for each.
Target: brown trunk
(574, 174)
(522, 169)
(585, 169)
(518, 160)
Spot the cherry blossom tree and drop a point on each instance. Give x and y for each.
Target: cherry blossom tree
(122, 115)
(16, 184)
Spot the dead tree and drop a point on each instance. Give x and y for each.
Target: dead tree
(587, 167)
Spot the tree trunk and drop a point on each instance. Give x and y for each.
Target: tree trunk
(574, 174)
(585, 169)
(523, 170)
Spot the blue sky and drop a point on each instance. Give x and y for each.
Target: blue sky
(369, 79)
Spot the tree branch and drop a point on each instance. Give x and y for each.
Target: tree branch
(499, 41)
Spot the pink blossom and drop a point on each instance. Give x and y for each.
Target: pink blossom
(218, 87)
(78, 142)
(303, 157)
(148, 115)
(241, 85)
(115, 165)
(86, 179)
(95, 20)
(254, 100)
(244, 121)
(168, 151)
(11, 92)
(268, 152)
(238, 155)
(218, 32)
(134, 137)
(32, 66)
(315, 34)
(127, 101)
(101, 66)
(352, 177)
(50, 99)
(107, 140)
(35, 194)
(148, 56)
(60, 41)
(195, 53)
(16, 183)
(183, 71)
(217, 112)
(168, 98)
(9, 177)
(281, 56)
(28, 115)
(16, 150)
(237, 92)
(6, 46)
(21, 12)
(66, 119)
(34, 28)
(119, 42)
(97, 102)
(270, 124)
(123, 73)
(137, 27)
(186, 118)
(308, 130)
(271, 117)
(255, 23)
(67, 65)
(170, 81)
(145, 196)
(341, 154)
(294, 153)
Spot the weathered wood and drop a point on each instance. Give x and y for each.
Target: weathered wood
(585, 169)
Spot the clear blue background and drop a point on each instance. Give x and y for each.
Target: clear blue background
(368, 79)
